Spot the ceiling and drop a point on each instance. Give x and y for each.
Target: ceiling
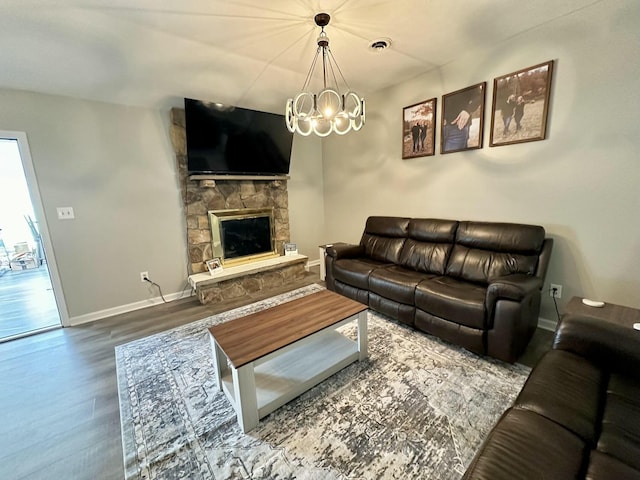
(250, 53)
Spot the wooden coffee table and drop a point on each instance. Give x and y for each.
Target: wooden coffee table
(268, 358)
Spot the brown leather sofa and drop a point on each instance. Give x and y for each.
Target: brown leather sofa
(476, 284)
(578, 414)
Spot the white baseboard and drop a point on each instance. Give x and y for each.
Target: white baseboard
(313, 263)
(110, 312)
(543, 323)
(547, 324)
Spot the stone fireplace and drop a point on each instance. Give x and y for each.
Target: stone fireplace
(203, 195)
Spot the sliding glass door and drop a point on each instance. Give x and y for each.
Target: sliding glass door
(28, 302)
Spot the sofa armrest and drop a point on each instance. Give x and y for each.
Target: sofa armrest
(607, 344)
(512, 303)
(345, 251)
(511, 287)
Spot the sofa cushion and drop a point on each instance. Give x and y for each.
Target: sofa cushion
(425, 257)
(457, 301)
(484, 251)
(384, 237)
(401, 312)
(356, 271)
(566, 389)
(396, 283)
(620, 436)
(611, 346)
(605, 467)
(473, 339)
(501, 237)
(429, 245)
(527, 446)
(358, 294)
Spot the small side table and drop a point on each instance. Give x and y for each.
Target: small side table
(625, 316)
(323, 254)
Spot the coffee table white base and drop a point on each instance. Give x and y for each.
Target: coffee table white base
(260, 387)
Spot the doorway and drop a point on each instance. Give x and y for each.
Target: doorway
(28, 301)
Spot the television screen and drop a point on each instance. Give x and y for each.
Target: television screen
(232, 140)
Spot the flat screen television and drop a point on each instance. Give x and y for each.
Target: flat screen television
(226, 140)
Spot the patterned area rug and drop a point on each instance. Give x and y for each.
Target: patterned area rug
(417, 408)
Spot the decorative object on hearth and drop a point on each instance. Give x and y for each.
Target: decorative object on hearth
(290, 249)
(522, 98)
(419, 129)
(418, 408)
(329, 110)
(214, 265)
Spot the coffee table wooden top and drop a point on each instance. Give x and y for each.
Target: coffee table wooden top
(248, 338)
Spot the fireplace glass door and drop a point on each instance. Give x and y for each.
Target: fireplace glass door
(244, 235)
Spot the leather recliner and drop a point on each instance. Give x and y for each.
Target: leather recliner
(578, 414)
(475, 284)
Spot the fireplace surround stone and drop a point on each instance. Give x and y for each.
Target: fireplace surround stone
(201, 196)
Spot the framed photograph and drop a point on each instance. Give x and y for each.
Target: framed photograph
(214, 265)
(290, 249)
(419, 129)
(521, 105)
(462, 119)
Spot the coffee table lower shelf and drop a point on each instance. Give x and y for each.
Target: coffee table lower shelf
(281, 378)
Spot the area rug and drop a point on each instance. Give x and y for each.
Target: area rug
(417, 408)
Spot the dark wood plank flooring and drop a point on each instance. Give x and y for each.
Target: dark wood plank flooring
(59, 397)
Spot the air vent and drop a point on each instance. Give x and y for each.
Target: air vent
(379, 44)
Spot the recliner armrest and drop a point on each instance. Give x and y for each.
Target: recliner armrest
(345, 251)
(512, 287)
(607, 344)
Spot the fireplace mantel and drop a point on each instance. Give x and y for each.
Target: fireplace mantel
(238, 177)
(209, 181)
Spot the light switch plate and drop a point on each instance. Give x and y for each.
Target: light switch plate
(65, 213)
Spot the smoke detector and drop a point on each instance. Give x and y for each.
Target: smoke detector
(379, 44)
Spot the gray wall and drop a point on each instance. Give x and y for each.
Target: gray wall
(306, 195)
(581, 183)
(115, 166)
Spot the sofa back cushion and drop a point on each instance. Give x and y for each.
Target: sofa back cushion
(384, 237)
(429, 245)
(484, 250)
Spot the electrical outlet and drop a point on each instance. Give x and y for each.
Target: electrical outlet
(65, 213)
(144, 276)
(558, 290)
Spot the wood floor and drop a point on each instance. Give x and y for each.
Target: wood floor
(27, 302)
(59, 397)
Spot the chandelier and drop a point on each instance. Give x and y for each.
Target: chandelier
(329, 110)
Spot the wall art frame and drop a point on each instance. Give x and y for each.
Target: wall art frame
(462, 121)
(419, 129)
(520, 108)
